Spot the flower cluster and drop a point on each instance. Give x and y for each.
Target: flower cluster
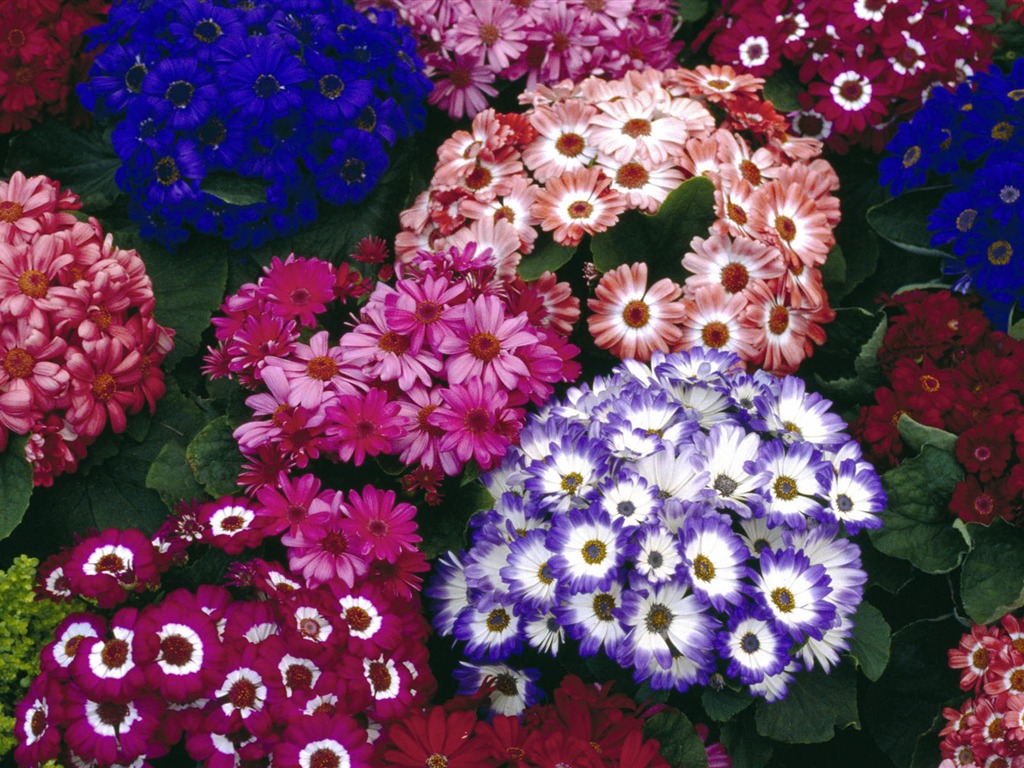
(969, 138)
(304, 668)
(468, 45)
(237, 119)
(42, 56)
(28, 624)
(948, 369)
(988, 728)
(862, 62)
(686, 518)
(586, 726)
(585, 153)
(436, 370)
(79, 347)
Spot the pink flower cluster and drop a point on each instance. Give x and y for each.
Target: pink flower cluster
(988, 728)
(584, 153)
(436, 370)
(311, 662)
(468, 45)
(78, 343)
(42, 56)
(863, 62)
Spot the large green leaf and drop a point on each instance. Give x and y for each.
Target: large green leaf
(869, 645)
(746, 748)
(81, 160)
(903, 220)
(691, 10)
(783, 88)
(15, 485)
(172, 477)
(680, 745)
(547, 256)
(214, 458)
(725, 704)
(992, 579)
(234, 189)
(917, 525)
(833, 271)
(815, 705)
(660, 240)
(917, 435)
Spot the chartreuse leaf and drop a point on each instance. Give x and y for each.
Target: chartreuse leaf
(547, 256)
(15, 485)
(815, 705)
(916, 524)
(916, 435)
(662, 239)
(82, 160)
(214, 458)
(869, 645)
(903, 220)
(992, 579)
(680, 744)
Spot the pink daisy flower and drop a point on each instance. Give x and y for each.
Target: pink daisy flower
(731, 263)
(788, 331)
(27, 357)
(641, 183)
(486, 349)
(716, 320)
(715, 82)
(364, 425)
(476, 421)
(315, 372)
(790, 220)
(513, 207)
(636, 127)
(425, 309)
(322, 550)
(298, 287)
(29, 284)
(243, 690)
(36, 720)
(420, 443)
(23, 203)
(322, 740)
(386, 528)
(287, 505)
(630, 320)
(463, 85)
(563, 142)
(112, 732)
(496, 236)
(578, 203)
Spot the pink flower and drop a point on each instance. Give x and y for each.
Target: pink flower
(323, 550)
(425, 309)
(477, 423)
(386, 528)
(23, 202)
(578, 203)
(364, 425)
(315, 373)
(28, 278)
(464, 86)
(287, 505)
(298, 287)
(27, 361)
(487, 348)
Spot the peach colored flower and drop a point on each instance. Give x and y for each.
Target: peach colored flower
(578, 203)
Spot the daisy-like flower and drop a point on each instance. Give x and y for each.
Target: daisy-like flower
(513, 689)
(321, 740)
(794, 593)
(631, 320)
(775, 687)
(797, 414)
(588, 549)
(563, 140)
(797, 482)
(494, 27)
(543, 632)
(531, 581)
(477, 422)
(578, 203)
(856, 498)
(298, 288)
(729, 453)
(717, 320)
(789, 219)
(386, 528)
(627, 495)
(590, 618)
(486, 349)
(657, 554)
(715, 560)
(314, 372)
(489, 634)
(106, 566)
(754, 648)
(242, 691)
(230, 524)
(439, 738)
(323, 550)
(447, 592)
(374, 624)
(463, 85)
(364, 425)
(56, 656)
(110, 732)
(730, 262)
(569, 476)
(662, 619)
(636, 126)
(36, 719)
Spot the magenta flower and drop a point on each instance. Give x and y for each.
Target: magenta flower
(26, 362)
(288, 505)
(103, 385)
(315, 373)
(323, 740)
(487, 350)
(476, 421)
(111, 732)
(322, 550)
(425, 309)
(298, 287)
(385, 528)
(364, 425)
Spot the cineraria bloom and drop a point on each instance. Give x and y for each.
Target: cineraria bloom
(104, 567)
(178, 645)
(714, 561)
(588, 549)
(436, 739)
(577, 203)
(793, 593)
(661, 620)
(321, 740)
(477, 422)
(243, 688)
(35, 722)
(384, 527)
(794, 485)
(589, 617)
(567, 477)
(487, 350)
(109, 732)
(363, 425)
(532, 583)
(632, 320)
(513, 690)
(323, 549)
(754, 648)
(657, 558)
(730, 455)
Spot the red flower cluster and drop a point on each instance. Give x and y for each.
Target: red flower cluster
(863, 61)
(78, 343)
(950, 370)
(587, 726)
(42, 56)
(437, 370)
(988, 729)
(307, 663)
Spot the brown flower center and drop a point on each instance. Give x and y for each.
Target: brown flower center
(715, 335)
(33, 283)
(484, 346)
(636, 314)
(570, 144)
(322, 368)
(10, 211)
(18, 363)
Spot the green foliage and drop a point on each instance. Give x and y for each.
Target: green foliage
(903, 220)
(746, 748)
(833, 271)
(869, 645)
(659, 240)
(783, 88)
(691, 10)
(234, 189)
(916, 436)
(815, 705)
(992, 579)
(28, 625)
(725, 704)
(917, 525)
(547, 256)
(214, 458)
(15, 485)
(680, 745)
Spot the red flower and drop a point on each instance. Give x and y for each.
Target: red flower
(437, 735)
(974, 503)
(985, 449)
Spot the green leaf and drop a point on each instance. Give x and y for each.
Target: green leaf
(82, 160)
(833, 271)
(866, 364)
(917, 525)
(725, 704)
(869, 645)
(15, 484)
(659, 240)
(1016, 331)
(889, 573)
(746, 748)
(903, 220)
(815, 705)
(188, 286)
(234, 189)
(992, 579)
(916, 683)
(691, 10)
(680, 744)
(172, 477)
(547, 256)
(214, 458)
(918, 435)
(783, 89)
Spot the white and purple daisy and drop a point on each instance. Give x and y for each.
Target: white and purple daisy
(448, 592)
(627, 495)
(491, 634)
(529, 576)
(587, 548)
(798, 415)
(794, 594)
(543, 631)
(568, 477)
(775, 687)
(513, 689)
(715, 561)
(753, 647)
(589, 618)
(729, 453)
(797, 481)
(657, 553)
(855, 497)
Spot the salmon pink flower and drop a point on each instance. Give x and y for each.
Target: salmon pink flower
(578, 203)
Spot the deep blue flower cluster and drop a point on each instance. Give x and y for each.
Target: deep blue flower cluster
(971, 139)
(236, 117)
(685, 518)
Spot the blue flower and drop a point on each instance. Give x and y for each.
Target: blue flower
(355, 162)
(181, 93)
(261, 79)
(753, 647)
